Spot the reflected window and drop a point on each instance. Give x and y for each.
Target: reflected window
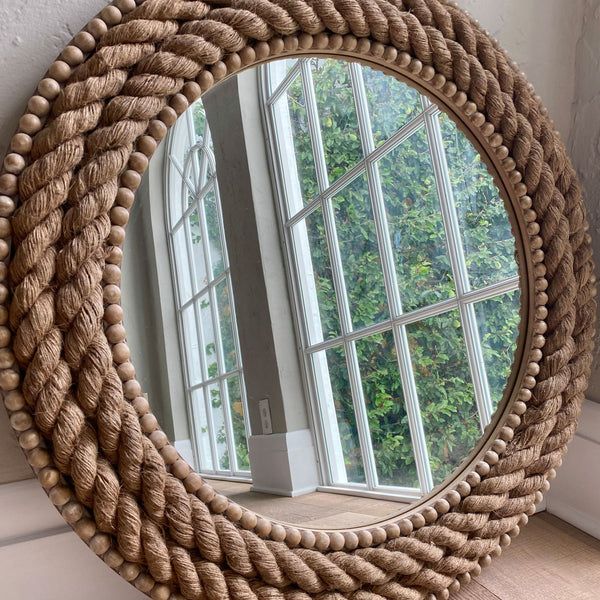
(214, 378)
(403, 271)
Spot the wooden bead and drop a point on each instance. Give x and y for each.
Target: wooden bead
(21, 143)
(4, 249)
(126, 371)
(219, 504)
(206, 493)
(278, 532)
(116, 237)
(261, 50)
(144, 583)
(113, 314)
(59, 495)
(321, 541)
(9, 380)
(113, 559)
(14, 163)
(14, 400)
(29, 439)
(149, 423)
(114, 256)
(21, 421)
(442, 506)
(8, 184)
(263, 527)
(125, 197)
(159, 439)
(336, 541)
(121, 352)
(219, 70)
(4, 336)
(181, 469)
(72, 55)
(379, 535)
(125, 6)
(60, 70)
(97, 27)
(138, 162)
(3, 315)
(350, 540)
(111, 15)
(147, 145)
(84, 41)
(234, 511)
(129, 571)
(112, 274)
(131, 179)
(111, 293)
(115, 333)
(7, 207)
(365, 538)
(48, 477)
(179, 103)
(308, 539)
(49, 88)
(393, 530)
(132, 388)
(38, 458)
(160, 592)
(72, 512)
(7, 358)
(248, 520)
(418, 520)
(5, 228)
(140, 404)
(169, 454)
(205, 80)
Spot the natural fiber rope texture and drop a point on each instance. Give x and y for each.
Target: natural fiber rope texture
(62, 236)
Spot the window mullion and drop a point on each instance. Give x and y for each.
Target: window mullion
(362, 417)
(459, 270)
(391, 284)
(314, 128)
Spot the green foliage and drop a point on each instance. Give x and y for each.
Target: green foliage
(437, 346)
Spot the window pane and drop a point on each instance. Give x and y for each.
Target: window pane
(445, 391)
(337, 115)
(182, 265)
(199, 118)
(336, 403)
(201, 429)
(226, 324)
(295, 144)
(316, 279)
(220, 431)
(484, 223)
(213, 225)
(198, 254)
(415, 223)
(388, 421)
(392, 104)
(190, 337)
(357, 238)
(208, 332)
(236, 408)
(498, 320)
(278, 70)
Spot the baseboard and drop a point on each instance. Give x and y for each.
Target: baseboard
(588, 523)
(281, 492)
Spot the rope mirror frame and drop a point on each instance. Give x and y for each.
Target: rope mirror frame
(67, 381)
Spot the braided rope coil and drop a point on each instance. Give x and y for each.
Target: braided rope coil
(70, 387)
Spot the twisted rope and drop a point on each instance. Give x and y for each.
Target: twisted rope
(60, 237)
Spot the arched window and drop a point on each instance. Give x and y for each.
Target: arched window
(402, 261)
(214, 379)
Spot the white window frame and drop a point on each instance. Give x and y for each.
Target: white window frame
(288, 191)
(196, 159)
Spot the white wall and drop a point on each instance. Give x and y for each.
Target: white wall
(560, 56)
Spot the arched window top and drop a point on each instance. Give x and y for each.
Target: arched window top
(205, 306)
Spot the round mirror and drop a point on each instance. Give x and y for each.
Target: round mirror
(321, 284)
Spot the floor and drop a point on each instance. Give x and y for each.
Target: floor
(550, 560)
(320, 510)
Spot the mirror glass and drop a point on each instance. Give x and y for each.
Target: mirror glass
(321, 292)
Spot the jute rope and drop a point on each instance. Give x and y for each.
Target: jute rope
(83, 163)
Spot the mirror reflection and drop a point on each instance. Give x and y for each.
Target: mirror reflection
(321, 291)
